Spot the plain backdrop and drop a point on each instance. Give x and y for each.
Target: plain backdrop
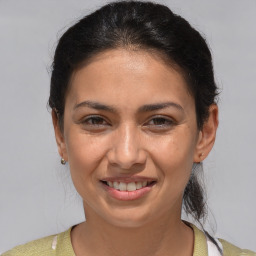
(36, 194)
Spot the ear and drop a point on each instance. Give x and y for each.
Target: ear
(59, 137)
(207, 135)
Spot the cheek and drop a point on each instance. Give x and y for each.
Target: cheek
(85, 154)
(174, 159)
(175, 152)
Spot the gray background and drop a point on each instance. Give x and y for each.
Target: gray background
(36, 195)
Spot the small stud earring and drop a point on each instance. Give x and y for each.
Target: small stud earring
(201, 155)
(62, 160)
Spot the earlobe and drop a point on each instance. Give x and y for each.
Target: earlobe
(59, 137)
(207, 135)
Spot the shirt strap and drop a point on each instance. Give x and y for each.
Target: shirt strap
(215, 247)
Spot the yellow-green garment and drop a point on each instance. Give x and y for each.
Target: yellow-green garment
(60, 245)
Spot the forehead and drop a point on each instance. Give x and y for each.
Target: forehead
(128, 77)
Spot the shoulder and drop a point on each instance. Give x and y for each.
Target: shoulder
(40, 247)
(232, 250)
(53, 245)
(201, 245)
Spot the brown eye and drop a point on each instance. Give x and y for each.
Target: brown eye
(160, 121)
(160, 124)
(96, 120)
(94, 123)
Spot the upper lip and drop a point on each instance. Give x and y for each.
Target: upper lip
(129, 179)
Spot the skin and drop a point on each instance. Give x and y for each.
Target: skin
(160, 144)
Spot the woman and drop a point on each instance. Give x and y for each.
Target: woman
(133, 101)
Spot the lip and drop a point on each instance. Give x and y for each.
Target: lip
(128, 195)
(128, 179)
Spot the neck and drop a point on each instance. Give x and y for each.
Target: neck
(165, 236)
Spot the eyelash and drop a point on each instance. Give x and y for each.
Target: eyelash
(165, 122)
(98, 122)
(93, 119)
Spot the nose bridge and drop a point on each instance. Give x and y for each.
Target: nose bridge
(126, 148)
(128, 144)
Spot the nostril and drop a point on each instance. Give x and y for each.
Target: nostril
(126, 161)
(125, 150)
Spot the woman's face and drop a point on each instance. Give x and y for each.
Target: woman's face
(130, 137)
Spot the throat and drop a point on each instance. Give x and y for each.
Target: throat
(131, 241)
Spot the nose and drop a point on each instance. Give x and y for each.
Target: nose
(126, 148)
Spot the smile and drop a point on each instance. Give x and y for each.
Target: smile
(131, 186)
(127, 189)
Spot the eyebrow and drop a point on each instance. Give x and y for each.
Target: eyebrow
(157, 106)
(144, 108)
(95, 105)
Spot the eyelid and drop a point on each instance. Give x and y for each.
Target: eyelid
(167, 121)
(91, 117)
(167, 118)
(168, 124)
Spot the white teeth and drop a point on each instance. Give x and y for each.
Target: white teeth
(138, 185)
(122, 186)
(131, 186)
(110, 183)
(116, 185)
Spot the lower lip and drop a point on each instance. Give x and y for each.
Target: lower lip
(127, 195)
